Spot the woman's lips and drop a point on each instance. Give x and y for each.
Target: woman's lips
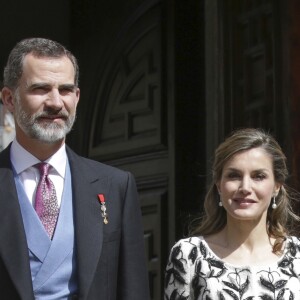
(244, 201)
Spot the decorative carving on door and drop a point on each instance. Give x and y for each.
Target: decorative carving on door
(127, 117)
(251, 39)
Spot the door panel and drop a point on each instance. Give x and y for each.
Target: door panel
(123, 121)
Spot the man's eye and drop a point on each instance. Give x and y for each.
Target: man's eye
(65, 91)
(40, 89)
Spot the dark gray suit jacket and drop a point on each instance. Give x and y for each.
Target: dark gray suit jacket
(110, 258)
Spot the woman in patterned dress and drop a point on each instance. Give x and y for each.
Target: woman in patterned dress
(242, 248)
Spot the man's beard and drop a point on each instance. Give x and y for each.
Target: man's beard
(44, 131)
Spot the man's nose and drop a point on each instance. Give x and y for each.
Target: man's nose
(54, 99)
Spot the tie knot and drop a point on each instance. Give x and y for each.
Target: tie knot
(43, 168)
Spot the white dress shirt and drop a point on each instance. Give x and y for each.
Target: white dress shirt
(23, 162)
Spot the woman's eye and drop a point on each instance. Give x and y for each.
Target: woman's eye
(233, 175)
(260, 176)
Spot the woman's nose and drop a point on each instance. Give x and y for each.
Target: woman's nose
(245, 185)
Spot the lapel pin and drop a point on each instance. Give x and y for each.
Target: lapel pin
(103, 208)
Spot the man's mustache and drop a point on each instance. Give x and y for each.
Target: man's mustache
(51, 112)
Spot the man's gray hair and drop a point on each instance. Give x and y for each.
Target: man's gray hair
(39, 47)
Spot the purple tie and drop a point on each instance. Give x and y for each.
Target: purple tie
(45, 200)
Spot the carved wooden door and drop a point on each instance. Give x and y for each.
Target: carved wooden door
(123, 120)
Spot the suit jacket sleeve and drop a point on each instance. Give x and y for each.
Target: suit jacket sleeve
(133, 280)
(111, 261)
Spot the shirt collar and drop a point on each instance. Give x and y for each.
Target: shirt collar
(22, 159)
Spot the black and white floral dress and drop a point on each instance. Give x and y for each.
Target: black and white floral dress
(194, 272)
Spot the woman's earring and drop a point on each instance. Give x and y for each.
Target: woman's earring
(220, 203)
(274, 205)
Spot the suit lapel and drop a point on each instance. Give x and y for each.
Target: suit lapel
(87, 218)
(13, 246)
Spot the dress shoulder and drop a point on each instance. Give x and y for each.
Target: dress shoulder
(292, 246)
(181, 265)
(295, 240)
(190, 247)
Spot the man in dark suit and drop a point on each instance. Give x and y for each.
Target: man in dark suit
(70, 227)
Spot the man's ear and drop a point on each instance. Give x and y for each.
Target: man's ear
(8, 99)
